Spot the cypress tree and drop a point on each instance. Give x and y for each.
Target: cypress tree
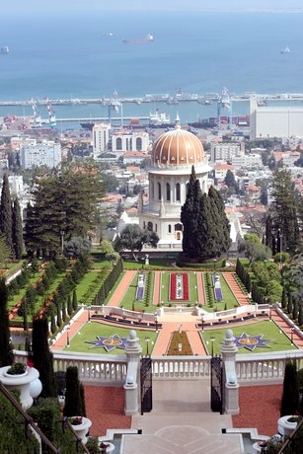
(74, 398)
(42, 357)
(295, 310)
(300, 316)
(17, 230)
(284, 298)
(223, 225)
(69, 305)
(6, 219)
(6, 351)
(290, 304)
(75, 300)
(189, 216)
(290, 394)
(59, 317)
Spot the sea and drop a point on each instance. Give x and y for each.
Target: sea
(69, 55)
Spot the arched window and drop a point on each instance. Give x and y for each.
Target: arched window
(138, 143)
(152, 190)
(159, 191)
(169, 228)
(150, 226)
(187, 185)
(156, 227)
(119, 144)
(178, 227)
(178, 194)
(168, 192)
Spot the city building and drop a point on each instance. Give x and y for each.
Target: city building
(173, 155)
(226, 151)
(268, 122)
(125, 141)
(101, 137)
(46, 153)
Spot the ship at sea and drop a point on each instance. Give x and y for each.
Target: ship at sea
(148, 39)
(4, 50)
(285, 51)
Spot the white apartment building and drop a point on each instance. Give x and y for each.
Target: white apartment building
(101, 138)
(124, 141)
(46, 153)
(247, 160)
(226, 151)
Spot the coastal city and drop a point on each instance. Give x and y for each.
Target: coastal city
(151, 213)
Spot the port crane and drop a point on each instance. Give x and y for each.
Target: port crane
(37, 116)
(51, 112)
(115, 104)
(224, 102)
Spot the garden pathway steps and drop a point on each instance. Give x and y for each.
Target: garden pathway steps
(201, 296)
(235, 288)
(157, 283)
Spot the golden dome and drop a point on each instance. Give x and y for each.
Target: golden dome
(177, 147)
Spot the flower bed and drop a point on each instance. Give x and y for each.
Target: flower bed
(140, 287)
(179, 287)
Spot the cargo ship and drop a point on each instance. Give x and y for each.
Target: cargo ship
(148, 39)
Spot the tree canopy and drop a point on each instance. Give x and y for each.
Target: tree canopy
(66, 202)
(206, 233)
(133, 238)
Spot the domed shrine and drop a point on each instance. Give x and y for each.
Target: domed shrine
(173, 155)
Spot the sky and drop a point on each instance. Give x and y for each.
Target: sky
(26, 6)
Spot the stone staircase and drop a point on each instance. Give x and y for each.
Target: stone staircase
(181, 422)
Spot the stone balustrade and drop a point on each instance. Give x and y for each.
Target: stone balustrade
(250, 369)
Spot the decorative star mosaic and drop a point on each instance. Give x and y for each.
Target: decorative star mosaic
(251, 342)
(109, 343)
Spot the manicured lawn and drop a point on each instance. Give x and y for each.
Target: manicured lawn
(228, 297)
(130, 298)
(90, 331)
(155, 264)
(113, 289)
(18, 296)
(277, 340)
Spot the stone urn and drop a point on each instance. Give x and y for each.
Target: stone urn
(21, 381)
(81, 426)
(287, 424)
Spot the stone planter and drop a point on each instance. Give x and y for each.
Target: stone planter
(21, 382)
(82, 429)
(286, 427)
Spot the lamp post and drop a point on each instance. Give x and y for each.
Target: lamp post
(156, 321)
(212, 339)
(202, 321)
(88, 313)
(147, 340)
(67, 335)
(62, 233)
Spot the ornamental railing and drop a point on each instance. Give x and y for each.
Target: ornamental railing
(110, 369)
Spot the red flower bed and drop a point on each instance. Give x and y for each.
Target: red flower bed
(179, 287)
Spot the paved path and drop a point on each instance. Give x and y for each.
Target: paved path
(200, 287)
(157, 283)
(122, 288)
(236, 289)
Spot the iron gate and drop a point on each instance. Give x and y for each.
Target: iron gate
(216, 396)
(146, 385)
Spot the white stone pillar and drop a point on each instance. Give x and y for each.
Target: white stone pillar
(231, 386)
(133, 352)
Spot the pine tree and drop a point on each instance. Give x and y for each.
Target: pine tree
(6, 351)
(17, 230)
(6, 213)
(42, 357)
